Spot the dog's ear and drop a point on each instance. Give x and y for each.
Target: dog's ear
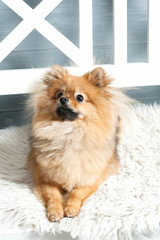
(56, 72)
(98, 77)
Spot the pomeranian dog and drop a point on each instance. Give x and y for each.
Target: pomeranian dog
(75, 132)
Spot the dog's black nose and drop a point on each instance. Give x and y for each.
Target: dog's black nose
(63, 100)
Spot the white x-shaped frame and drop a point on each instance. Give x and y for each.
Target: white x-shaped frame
(35, 19)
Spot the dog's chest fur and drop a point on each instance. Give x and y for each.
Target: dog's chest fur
(69, 156)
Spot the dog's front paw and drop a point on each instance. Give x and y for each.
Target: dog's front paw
(55, 213)
(71, 210)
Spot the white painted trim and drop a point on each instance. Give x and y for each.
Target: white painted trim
(120, 31)
(32, 18)
(26, 12)
(154, 32)
(61, 42)
(12, 41)
(127, 75)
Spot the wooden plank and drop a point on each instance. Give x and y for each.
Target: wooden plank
(16, 118)
(145, 94)
(102, 22)
(137, 53)
(120, 32)
(3, 6)
(33, 59)
(32, 3)
(137, 30)
(15, 102)
(137, 21)
(47, 57)
(86, 32)
(9, 20)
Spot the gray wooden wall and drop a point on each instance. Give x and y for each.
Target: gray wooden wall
(35, 51)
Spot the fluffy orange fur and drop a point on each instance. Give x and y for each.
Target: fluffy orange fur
(74, 139)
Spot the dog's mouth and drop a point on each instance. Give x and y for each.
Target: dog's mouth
(65, 113)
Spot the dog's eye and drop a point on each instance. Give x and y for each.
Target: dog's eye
(79, 98)
(59, 94)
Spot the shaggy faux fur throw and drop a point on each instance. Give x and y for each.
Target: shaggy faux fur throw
(126, 206)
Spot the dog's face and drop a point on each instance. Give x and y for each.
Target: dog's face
(67, 97)
(67, 104)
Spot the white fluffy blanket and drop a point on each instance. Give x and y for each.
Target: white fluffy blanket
(126, 206)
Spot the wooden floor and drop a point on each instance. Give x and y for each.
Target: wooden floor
(12, 106)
